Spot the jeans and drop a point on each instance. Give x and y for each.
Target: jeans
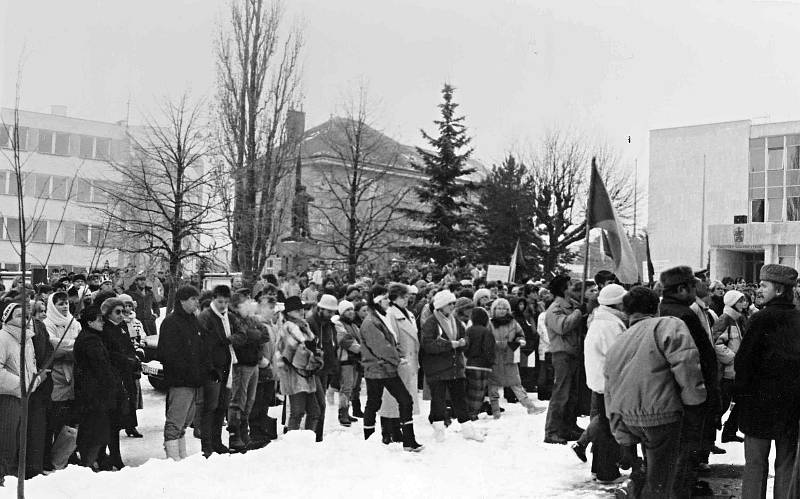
(660, 444)
(243, 394)
(458, 399)
(605, 450)
(322, 386)
(756, 466)
(692, 451)
(261, 428)
(347, 379)
(180, 409)
(215, 405)
(562, 411)
(397, 389)
(303, 404)
(732, 424)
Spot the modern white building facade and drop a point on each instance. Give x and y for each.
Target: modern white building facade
(726, 195)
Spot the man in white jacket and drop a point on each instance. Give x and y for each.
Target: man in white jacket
(606, 324)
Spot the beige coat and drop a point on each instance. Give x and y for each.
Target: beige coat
(408, 345)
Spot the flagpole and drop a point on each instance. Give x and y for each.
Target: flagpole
(635, 192)
(586, 237)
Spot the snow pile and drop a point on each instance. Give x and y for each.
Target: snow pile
(512, 462)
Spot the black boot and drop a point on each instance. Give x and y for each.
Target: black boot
(357, 412)
(410, 443)
(235, 443)
(386, 430)
(397, 432)
(344, 418)
(368, 433)
(272, 429)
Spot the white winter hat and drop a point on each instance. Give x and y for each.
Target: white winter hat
(413, 290)
(344, 306)
(481, 293)
(328, 302)
(443, 298)
(611, 294)
(731, 297)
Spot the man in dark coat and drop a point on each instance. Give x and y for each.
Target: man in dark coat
(680, 286)
(187, 367)
(147, 308)
(325, 332)
(767, 384)
(216, 329)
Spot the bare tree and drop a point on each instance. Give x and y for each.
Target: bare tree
(165, 204)
(359, 200)
(559, 171)
(258, 82)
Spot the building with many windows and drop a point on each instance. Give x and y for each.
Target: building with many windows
(725, 195)
(66, 172)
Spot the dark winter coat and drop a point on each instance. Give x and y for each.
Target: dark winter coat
(146, 305)
(247, 338)
(767, 366)
(671, 307)
(182, 351)
(717, 305)
(43, 350)
(441, 361)
(325, 332)
(97, 383)
(379, 354)
(564, 322)
(217, 343)
(126, 365)
(480, 348)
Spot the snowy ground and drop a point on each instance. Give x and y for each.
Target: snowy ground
(513, 462)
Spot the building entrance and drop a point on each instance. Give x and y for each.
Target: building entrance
(752, 265)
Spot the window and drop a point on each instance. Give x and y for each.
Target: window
(756, 155)
(87, 147)
(62, 144)
(59, 189)
(29, 184)
(786, 254)
(100, 192)
(6, 132)
(81, 190)
(775, 210)
(793, 209)
(45, 142)
(103, 149)
(81, 234)
(757, 210)
(37, 231)
(775, 153)
(11, 229)
(12, 184)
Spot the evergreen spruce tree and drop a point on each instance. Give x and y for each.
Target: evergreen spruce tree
(507, 215)
(445, 217)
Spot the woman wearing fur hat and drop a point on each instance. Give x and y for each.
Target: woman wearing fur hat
(443, 341)
(381, 360)
(10, 400)
(404, 324)
(136, 331)
(349, 351)
(126, 365)
(728, 332)
(508, 336)
(296, 361)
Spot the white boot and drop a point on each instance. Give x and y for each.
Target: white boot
(469, 432)
(182, 447)
(438, 431)
(171, 448)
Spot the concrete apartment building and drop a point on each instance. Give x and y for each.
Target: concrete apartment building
(725, 195)
(66, 165)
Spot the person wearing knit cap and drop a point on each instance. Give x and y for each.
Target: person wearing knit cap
(768, 395)
(349, 351)
(607, 324)
(443, 343)
(463, 310)
(482, 298)
(728, 332)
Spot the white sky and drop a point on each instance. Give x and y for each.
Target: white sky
(521, 67)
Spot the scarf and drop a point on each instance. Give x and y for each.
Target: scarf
(448, 325)
(502, 321)
(732, 312)
(386, 323)
(54, 316)
(402, 310)
(226, 325)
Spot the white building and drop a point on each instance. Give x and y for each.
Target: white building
(725, 194)
(66, 166)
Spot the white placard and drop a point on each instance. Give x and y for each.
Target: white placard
(497, 273)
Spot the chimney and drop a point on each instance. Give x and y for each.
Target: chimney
(58, 110)
(295, 126)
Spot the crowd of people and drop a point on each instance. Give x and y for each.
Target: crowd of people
(655, 368)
